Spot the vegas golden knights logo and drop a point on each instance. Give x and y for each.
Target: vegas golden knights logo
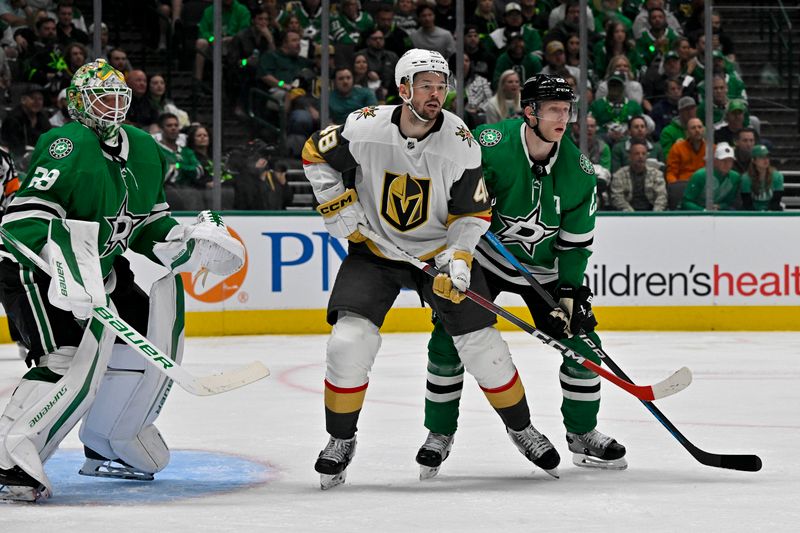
(404, 200)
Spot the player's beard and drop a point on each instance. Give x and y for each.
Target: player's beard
(429, 113)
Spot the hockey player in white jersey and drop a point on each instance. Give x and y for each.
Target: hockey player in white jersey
(411, 173)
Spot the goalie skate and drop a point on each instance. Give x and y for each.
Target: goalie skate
(98, 466)
(432, 454)
(596, 450)
(112, 469)
(17, 486)
(537, 448)
(333, 461)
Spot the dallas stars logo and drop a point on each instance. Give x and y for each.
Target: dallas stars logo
(365, 112)
(465, 135)
(60, 148)
(526, 231)
(122, 225)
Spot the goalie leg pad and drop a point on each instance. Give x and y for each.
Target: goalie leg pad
(41, 412)
(352, 347)
(119, 426)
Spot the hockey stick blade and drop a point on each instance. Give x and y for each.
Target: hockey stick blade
(746, 463)
(200, 386)
(675, 383)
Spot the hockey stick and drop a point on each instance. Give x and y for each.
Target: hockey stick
(200, 386)
(748, 463)
(673, 384)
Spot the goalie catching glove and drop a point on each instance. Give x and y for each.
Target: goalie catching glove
(573, 314)
(205, 244)
(342, 216)
(454, 280)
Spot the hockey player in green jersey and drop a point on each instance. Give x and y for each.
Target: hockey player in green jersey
(544, 192)
(93, 191)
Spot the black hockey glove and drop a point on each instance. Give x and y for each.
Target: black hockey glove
(574, 314)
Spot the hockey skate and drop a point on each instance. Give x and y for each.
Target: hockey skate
(17, 485)
(98, 466)
(595, 450)
(433, 453)
(333, 460)
(537, 448)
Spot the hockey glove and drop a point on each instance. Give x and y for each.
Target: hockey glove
(455, 266)
(205, 244)
(342, 215)
(76, 283)
(574, 313)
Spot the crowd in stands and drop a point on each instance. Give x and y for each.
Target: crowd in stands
(646, 86)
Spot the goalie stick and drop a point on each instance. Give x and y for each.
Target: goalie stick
(673, 384)
(745, 462)
(200, 386)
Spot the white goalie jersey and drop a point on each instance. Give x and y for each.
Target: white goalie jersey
(412, 190)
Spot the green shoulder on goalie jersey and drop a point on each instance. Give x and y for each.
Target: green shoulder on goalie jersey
(94, 190)
(544, 212)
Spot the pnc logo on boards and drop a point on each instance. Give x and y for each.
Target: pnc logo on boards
(195, 283)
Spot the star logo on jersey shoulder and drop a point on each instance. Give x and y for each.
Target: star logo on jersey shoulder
(365, 112)
(465, 135)
(122, 226)
(526, 231)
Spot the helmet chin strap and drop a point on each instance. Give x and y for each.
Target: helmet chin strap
(408, 103)
(536, 130)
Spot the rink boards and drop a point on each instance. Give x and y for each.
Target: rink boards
(648, 272)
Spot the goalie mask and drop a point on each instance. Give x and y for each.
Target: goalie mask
(99, 98)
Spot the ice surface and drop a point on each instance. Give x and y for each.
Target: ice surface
(744, 399)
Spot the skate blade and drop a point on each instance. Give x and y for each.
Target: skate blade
(106, 470)
(427, 472)
(329, 481)
(587, 461)
(20, 493)
(553, 472)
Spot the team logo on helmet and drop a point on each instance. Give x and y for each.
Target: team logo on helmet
(490, 137)
(465, 135)
(404, 200)
(586, 165)
(60, 148)
(365, 112)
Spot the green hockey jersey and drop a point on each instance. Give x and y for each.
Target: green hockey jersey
(543, 212)
(71, 176)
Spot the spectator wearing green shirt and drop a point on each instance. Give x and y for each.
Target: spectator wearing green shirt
(346, 98)
(762, 185)
(235, 18)
(727, 183)
(676, 130)
(279, 68)
(613, 111)
(655, 42)
(517, 58)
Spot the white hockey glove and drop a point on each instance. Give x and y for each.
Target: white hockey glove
(76, 282)
(342, 216)
(455, 266)
(205, 244)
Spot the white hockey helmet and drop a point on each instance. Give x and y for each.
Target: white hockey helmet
(419, 60)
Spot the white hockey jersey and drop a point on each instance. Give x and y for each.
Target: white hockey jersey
(411, 190)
